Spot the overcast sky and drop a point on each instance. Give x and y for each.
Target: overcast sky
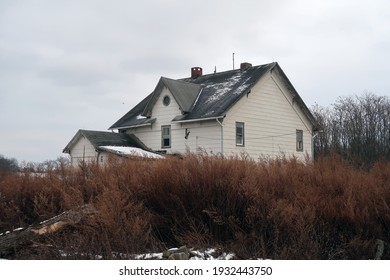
(66, 65)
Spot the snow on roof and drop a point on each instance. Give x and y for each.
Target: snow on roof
(202, 97)
(223, 88)
(130, 151)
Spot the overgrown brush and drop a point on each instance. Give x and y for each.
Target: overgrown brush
(279, 209)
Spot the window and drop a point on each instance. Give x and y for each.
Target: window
(299, 140)
(239, 134)
(166, 136)
(166, 100)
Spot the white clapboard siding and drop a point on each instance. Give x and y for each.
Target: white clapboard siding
(202, 135)
(271, 119)
(83, 151)
(151, 135)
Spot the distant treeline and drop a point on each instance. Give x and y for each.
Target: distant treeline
(8, 164)
(12, 165)
(356, 127)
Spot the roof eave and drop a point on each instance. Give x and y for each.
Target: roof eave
(199, 119)
(148, 122)
(299, 99)
(132, 126)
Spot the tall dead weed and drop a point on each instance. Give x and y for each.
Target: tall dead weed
(279, 209)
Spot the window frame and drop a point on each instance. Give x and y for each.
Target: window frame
(166, 100)
(299, 140)
(241, 136)
(165, 136)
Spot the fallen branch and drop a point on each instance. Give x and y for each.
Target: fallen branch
(10, 241)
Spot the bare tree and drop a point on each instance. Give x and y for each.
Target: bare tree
(357, 127)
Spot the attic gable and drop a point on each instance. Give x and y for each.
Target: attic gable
(220, 91)
(184, 93)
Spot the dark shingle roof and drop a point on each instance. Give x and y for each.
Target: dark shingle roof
(185, 94)
(204, 97)
(134, 116)
(103, 138)
(220, 91)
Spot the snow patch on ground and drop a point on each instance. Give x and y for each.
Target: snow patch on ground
(202, 254)
(149, 256)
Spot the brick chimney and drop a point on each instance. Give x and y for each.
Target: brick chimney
(245, 65)
(196, 72)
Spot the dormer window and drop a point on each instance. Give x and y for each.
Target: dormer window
(166, 100)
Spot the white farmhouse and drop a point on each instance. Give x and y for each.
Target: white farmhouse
(254, 109)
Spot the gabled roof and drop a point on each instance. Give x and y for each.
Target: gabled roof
(103, 138)
(296, 97)
(220, 91)
(184, 93)
(206, 97)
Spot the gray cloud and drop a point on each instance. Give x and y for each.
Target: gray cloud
(66, 65)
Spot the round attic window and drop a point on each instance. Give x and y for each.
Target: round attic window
(166, 100)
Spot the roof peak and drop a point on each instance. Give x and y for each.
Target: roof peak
(188, 79)
(184, 93)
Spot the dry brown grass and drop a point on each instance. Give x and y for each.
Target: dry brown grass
(279, 209)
